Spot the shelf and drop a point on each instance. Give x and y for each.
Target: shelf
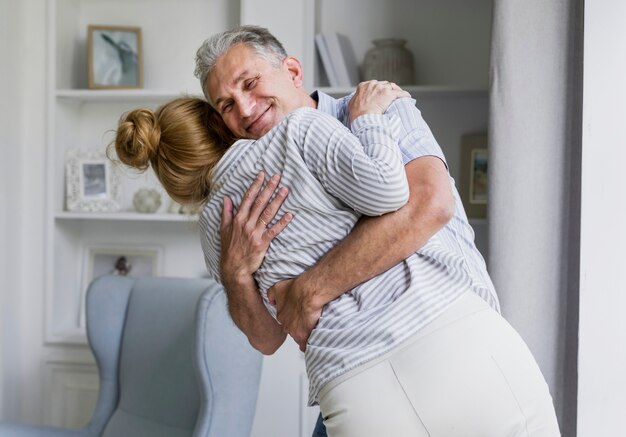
(478, 221)
(70, 336)
(126, 216)
(87, 95)
(416, 90)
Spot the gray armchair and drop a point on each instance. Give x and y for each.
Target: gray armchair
(171, 362)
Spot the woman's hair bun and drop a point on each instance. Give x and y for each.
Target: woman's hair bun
(137, 138)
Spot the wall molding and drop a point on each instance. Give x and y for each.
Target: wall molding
(71, 392)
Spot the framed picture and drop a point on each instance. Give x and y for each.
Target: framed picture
(135, 261)
(474, 183)
(114, 57)
(91, 182)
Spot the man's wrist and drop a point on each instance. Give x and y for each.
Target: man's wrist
(237, 280)
(311, 291)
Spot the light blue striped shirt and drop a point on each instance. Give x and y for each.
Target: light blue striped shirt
(329, 183)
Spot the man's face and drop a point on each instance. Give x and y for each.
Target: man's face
(251, 95)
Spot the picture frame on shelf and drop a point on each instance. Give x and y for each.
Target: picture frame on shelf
(115, 57)
(92, 182)
(122, 260)
(474, 184)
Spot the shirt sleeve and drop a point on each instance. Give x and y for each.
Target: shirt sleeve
(416, 138)
(364, 169)
(210, 243)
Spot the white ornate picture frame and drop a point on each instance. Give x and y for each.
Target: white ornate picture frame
(92, 182)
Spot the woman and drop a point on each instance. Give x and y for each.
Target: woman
(492, 387)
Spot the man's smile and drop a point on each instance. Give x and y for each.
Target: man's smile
(259, 124)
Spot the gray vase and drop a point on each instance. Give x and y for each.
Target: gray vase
(389, 60)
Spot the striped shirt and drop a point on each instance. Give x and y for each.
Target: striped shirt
(329, 188)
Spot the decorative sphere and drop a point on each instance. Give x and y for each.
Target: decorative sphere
(147, 200)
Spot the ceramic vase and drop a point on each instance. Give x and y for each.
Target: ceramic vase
(389, 60)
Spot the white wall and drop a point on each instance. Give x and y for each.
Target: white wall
(9, 134)
(6, 142)
(602, 334)
(22, 26)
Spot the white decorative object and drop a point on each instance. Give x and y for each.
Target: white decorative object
(389, 60)
(91, 182)
(177, 208)
(147, 200)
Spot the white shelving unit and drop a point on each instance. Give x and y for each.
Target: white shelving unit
(126, 216)
(417, 91)
(85, 118)
(450, 42)
(133, 96)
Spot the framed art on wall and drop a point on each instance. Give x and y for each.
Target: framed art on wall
(122, 260)
(92, 182)
(114, 57)
(473, 186)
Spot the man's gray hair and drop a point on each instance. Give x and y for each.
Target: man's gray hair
(259, 39)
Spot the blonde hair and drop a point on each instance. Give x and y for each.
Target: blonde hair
(182, 141)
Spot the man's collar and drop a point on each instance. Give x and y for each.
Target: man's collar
(325, 103)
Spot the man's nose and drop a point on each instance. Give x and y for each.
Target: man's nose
(245, 105)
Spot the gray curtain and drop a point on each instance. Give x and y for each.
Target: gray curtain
(534, 171)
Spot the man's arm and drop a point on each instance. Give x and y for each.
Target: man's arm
(374, 245)
(245, 238)
(359, 257)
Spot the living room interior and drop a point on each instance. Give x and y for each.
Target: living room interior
(537, 82)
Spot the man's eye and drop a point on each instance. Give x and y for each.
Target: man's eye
(227, 107)
(250, 84)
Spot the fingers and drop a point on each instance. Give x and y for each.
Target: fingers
(251, 194)
(397, 91)
(271, 296)
(401, 93)
(269, 211)
(272, 231)
(390, 88)
(227, 212)
(263, 197)
(380, 86)
(258, 207)
(374, 97)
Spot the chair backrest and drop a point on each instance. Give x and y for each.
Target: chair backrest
(230, 371)
(175, 374)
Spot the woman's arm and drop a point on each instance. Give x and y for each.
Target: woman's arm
(363, 168)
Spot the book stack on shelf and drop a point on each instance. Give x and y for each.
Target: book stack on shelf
(338, 59)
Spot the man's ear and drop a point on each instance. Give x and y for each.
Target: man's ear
(294, 67)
